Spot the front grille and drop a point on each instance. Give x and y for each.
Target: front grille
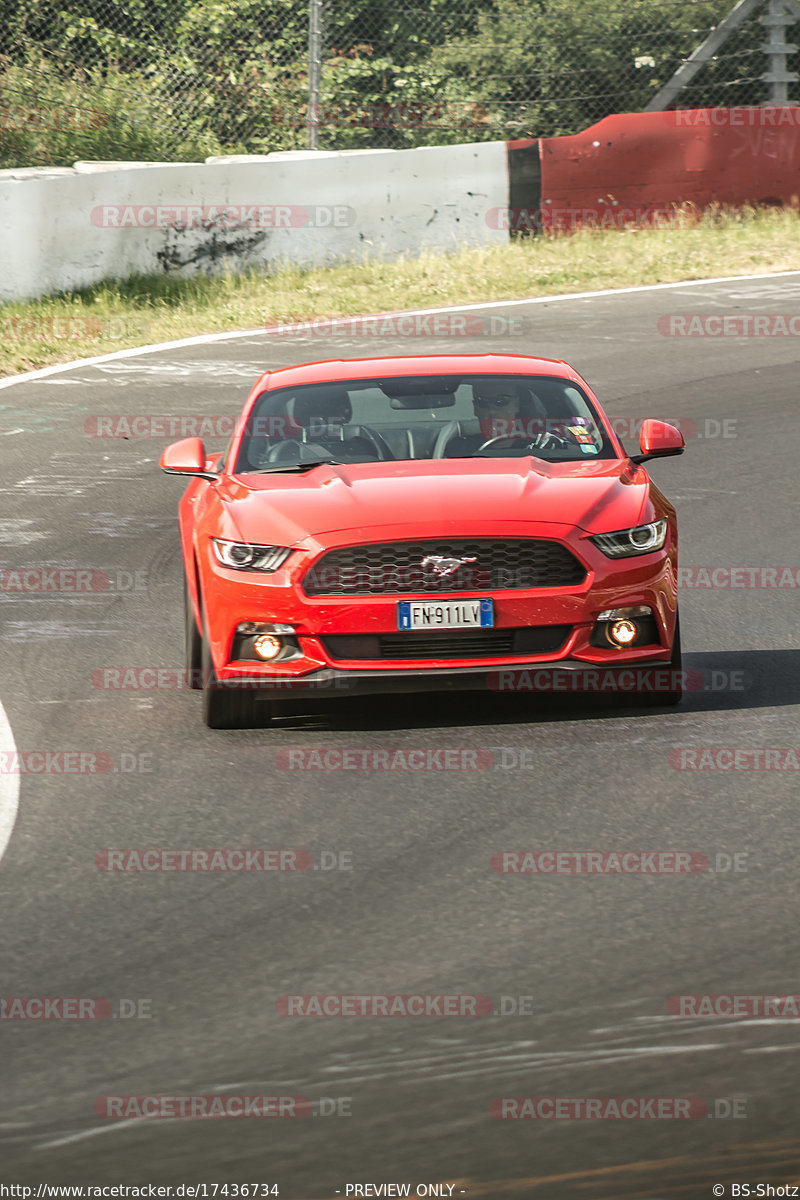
(463, 643)
(395, 568)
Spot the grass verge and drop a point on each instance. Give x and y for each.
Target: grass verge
(112, 316)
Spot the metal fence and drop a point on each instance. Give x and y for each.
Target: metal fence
(181, 79)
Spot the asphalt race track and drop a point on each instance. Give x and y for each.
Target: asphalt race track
(579, 969)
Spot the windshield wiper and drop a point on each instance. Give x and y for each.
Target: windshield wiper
(528, 453)
(301, 466)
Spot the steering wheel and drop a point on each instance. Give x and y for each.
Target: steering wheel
(539, 443)
(382, 447)
(294, 449)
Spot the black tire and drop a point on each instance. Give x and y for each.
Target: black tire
(230, 707)
(675, 694)
(193, 641)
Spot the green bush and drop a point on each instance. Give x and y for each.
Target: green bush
(50, 118)
(180, 79)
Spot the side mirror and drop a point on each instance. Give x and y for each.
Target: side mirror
(187, 457)
(658, 440)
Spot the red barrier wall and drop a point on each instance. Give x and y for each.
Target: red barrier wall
(634, 166)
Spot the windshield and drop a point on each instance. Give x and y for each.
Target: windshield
(423, 417)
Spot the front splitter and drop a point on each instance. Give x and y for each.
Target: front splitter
(567, 676)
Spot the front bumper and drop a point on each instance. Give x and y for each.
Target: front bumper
(232, 598)
(559, 677)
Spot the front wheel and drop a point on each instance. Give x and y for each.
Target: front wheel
(674, 694)
(193, 641)
(227, 706)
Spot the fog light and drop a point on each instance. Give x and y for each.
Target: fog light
(623, 632)
(248, 628)
(614, 614)
(267, 646)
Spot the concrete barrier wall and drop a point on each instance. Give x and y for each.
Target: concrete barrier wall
(62, 229)
(66, 229)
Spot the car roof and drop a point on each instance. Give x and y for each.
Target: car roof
(425, 364)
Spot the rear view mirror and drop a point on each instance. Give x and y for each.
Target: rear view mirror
(420, 391)
(187, 457)
(658, 440)
(425, 401)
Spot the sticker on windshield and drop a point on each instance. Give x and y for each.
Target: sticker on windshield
(581, 434)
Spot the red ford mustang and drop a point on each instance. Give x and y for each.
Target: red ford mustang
(426, 523)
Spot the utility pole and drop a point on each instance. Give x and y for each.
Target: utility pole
(314, 71)
(690, 66)
(779, 16)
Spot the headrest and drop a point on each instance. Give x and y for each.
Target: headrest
(531, 405)
(321, 405)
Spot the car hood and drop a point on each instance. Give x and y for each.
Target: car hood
(435, 497)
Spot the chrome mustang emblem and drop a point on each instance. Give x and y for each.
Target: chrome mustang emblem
(444, 567)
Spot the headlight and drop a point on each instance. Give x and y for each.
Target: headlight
(627, 542)
(243, 557)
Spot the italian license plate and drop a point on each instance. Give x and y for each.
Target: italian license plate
(445, 614)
